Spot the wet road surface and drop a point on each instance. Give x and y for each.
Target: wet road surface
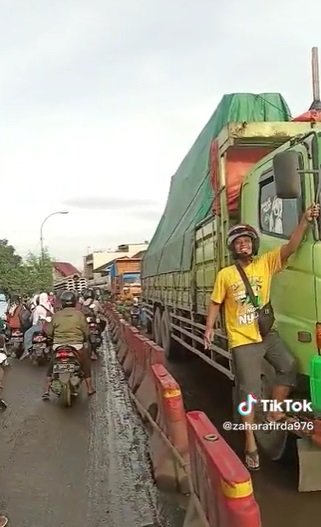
(85, 465)
(275, 485)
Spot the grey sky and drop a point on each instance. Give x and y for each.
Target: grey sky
(100, 101)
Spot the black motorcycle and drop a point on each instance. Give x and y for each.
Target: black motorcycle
(95, 338)
(40, 350)
(67, 374)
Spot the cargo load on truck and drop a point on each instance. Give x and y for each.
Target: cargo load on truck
(192, 191)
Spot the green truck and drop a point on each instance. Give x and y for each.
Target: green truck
(229, 176)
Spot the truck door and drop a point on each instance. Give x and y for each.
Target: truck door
(293, 290)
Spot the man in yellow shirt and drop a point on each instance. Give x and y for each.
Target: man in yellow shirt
(246, 343)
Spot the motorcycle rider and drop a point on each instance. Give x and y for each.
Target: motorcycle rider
(3, 363)
(14, 312)
(92, 305)
(68, 326)
(41, 313)
(91, 302)
(25, 315)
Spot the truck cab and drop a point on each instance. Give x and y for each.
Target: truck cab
(296, 290)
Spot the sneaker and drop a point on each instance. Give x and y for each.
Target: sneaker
(3, 406)
(3, 521)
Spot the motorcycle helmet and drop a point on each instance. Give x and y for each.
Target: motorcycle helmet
(89, 293)
(68, 299)
(243, 230)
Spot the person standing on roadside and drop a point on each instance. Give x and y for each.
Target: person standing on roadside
(248, 345)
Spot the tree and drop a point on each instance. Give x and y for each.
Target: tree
(23, 277)
(39, 273)
(10, 264)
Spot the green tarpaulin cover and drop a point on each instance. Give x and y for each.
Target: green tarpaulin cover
(191, 195)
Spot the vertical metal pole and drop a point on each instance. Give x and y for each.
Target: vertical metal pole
(41, 243)
(316, 104)
(315, 75)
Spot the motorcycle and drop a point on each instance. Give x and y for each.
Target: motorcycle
(135, 316)
(67, 374)
(3, 358)
(3, 364)
(40, 351)
(95, 338)
(17, 337)
(15, 342)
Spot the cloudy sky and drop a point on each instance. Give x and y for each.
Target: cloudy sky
(101, 99)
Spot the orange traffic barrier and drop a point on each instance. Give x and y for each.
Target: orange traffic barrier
(139, 352)
(146, 391)
(129, 361)
(222, 486)
(171, 419)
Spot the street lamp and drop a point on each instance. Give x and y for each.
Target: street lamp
(41, 229)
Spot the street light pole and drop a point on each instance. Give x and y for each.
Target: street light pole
(41, 230)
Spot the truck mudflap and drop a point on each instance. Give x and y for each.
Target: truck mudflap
(308, 434)
(309, 455)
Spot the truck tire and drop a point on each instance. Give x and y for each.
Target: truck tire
(272, 442)
(167, 341)
(157, 326)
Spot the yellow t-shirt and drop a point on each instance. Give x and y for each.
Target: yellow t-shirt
(240, 315)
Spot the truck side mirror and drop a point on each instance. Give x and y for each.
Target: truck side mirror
(286, 175)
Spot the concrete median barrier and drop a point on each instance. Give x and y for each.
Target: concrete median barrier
(187, 452)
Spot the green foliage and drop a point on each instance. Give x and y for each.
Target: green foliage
(24, 277)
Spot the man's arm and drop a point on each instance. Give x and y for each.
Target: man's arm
(213, 311)
(217, 299)
(293, 244)
(84, 326)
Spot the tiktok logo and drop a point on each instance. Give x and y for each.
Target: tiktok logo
(246, 407)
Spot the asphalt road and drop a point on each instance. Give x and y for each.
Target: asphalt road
(87, 465)
(275, 485)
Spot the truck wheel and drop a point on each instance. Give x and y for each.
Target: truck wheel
(157, 327)
(272, 442)
(168, 342)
